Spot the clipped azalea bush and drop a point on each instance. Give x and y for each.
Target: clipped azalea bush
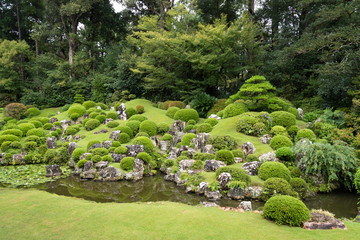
(134, 125)
(170, 112)
(305, 133)
(14, 110)
(273, 186)
(282, 118)
(162, 128)
(121, 150)
(280, 141)
(77, 154)
(234, 109)
(89, 104)
(299, 185)
(285, 154)
(32, 112)
(246, 124)
(92, 124)
(130, 111)
(204, 128)
(186, 114)
(237, 174)
(149, 127)
(37, 132)
(112, 115)
(25, 127)
(124, 137)
(101, 118)
(137, 117)
(185, 141)
(140, 109)
(145, 157)
(279, 130)
(225, 156)
(167, 137)
(15, 132)
(146, 142)
(274, 169)
(212, 121)
(127, 163)
(75, 111)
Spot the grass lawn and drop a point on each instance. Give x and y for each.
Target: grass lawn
(33, 214)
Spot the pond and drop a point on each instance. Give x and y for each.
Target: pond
(155, 188)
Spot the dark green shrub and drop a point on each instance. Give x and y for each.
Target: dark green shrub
(222, 142)
(234, 109)
(77, 153)
(295, 171)
(78, 98)
(202, 103)
(115, 144)
(43, 120)
(246, 124)
(293, 111)
(186, 114)
(47, 126)
(146, 142)
(204, 128)
(140, 109)
(279, 130)
(123, 138)
(251, 158)
(36, 123)
(167, 137)
(259, 129)
(107, 158)
(273, 186)
(72, 130)
(285, 154)
(76, 110)
(25, 127)
(142, 134)
(286, 210)
(171, 111)
(145, 157)
(299, 185)
(189, 127)
(93, 115)
(169, 163)
(37, 132)
(305, 133)
(81, 163)
(149, 127)
(112, 115)
(203, 156)
(238, 153)
(14, 110)
(96, 158)
(92, 124)
(212, 121)
(121, 150)
(280, 141)
(7, 145)
(50, 156)
(178, 104)
(100, 151)
(32, 112)
(30, 146)
(130, 112)
(283, 118)
(237, 174)
(88, 157)
(191, 122)
(92, 142)
(162, 128)
(89, 104)
(100, 118)
(137, 117)
(127, 163)
(185, 141)
(274, 170)
(293, 130)
(134, 125)
(15, 132)
(225, 156)
(127, 130)
(112, 124)
(357, 180)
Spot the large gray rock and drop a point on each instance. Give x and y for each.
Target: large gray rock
(155, 141)
(209, 149)
(53, 171)
(83, 156)
(53, 119)
(96, 145)
(51, 142)
(245, 205)
(213, 165)
(111, 174)
(138, 166)
(301, 113)
(88, 165)
(71, 148)
(213, 195)
(178, 180)
(134, 150)
(185, 164)
(236, 193)
(253, 192)
(134, 176)
(248, 148)
(214, 116)
(223, 179)
(191, 152)
(179, 126)
(117, 157)
(121, 112)
(322, 221)
(202, 187)
(170, 177)
(201, 140)
(265, 139)
(115, 135)
(172, 153)
(270, 156)
(252, 167)
(164, 146)
(88, 174)
(18, 159)
(177, 138)
(107, 144)
(101, 165)
(65, 124)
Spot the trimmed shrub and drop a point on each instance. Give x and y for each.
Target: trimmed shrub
(107, 158)
(274, 170)
(47, 126)
(77, 154)
(252, 158)
(238, 153)
(293, 130)
(274, 186)
(15, 132)
(33, 138)
(93, 115)
(92, 124)
(124, 137)
(191, 122)
(127, 130)
(43, 120)
(171, 111)
(286, 210)
(30, 146)
(237, 174)
(142, 134)
(7, 145)
(218, 106)
(96, 158)
(36, 123)
(178, 104)
(137, 117)
(305, 133)
(164, 105)
(112, 124)
(280, 141)
(222, 142)
(81, 163)
(25, 127)
(32, 112)
(14, 110)
(145, 157)
(186, 114)
(130, 112)
(212, 121)
(279, 130)
(50, 156)
(299, 185)
(112, 115)
(146, 142)
(234, 109)
(76, 110)
(185, 141)
(283, 118)
(101, 118)
(295, 171)
(225, 156)
(189, 127)
(167, 137)
(162, 128)
(72, 130)
(169, 163)
(203, 156)
(127, 163)
(259, 129)
(204, 128)
(89, 104)
(140, 109)
(245, 124)
(294, 112)
(285, 154)
(202, 102)
(37, 132)
(149, 127)
(121, 150)
(100, 151)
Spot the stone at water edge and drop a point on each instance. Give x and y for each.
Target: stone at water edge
(18, 159)
(170, 177)
(209, 204)
(101, 165)
(236, 193)
(185, 164)
(223, 179)
(252, 167)
(138, 166)
(53, 171)
(213, 195)
(253, 192)
(245, 205)
(88, 174)
(203, 186)
(88, 165)
(248, 148)
(323, 221)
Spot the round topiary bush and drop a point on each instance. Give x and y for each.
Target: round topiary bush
(121, 150)
(76, 109)
(77, 153)
(72, 130)
(50, 156)
(124, 137)
(134, 125)
(251, 158)
(30, 146)
(130, 112)
(142, 134)
(101, 118)
(285, 154)
(286, 210)
(245, 124)
(25, 127)
(127, 163)
(146, 142)
(280, 141)
(169, 163)
(107, 158)
(162, 128)
(225, 156)
(186, 114)
(32, 112)
(293, 130)
(237, 174)
(112, 124)
(47, 126)
(81, 163)
(185, 141)
(191, 122)
(137, 117)
(305, 133)
(112, 115)
(171, 111)
(178, 104)
(96, 158)
(92, 124)
(14, 110)
(149, 127)
(279, 130)
(167, 137)
(15, 132)
(89, 104)
(274, 169)
(93, 115)
(189, 127)
(238, 153)
(127, 130)
(211, 121)
(299, 185)
(282, 118)
(145, 157)
(294, 112)
(36, 123)
(140, 109)
(234, 109)
(204, 128)
(37, 132)
(273, 186)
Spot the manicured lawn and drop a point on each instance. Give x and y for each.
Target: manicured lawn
(33, 214)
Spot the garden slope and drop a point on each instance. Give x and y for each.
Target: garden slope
(33, 214)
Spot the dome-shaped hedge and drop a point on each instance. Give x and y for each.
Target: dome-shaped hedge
(171, 111)
(204, 128)
(245, 124)
(274, 169)
(225, 156)
(237, 174)
(279, 130)
(92, 124)
(280, 141)
(273, 186)
(134, 125)
(282, 118)
(285, 154)
(137, 117)
(305, 133)
(127, 163)
(89, 104)
(149, 127)
(76, 109)
(234, 109)
(186, 114)
(25, 127)
(185, 141)
(146, 142)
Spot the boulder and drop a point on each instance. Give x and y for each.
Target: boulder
(236, 193)
(107, 144)
(172, 153)
(202, 188)
(201, 140)
(185, 164)
(245, 205)
(223, 179)
(253, 192)
(104, 130)
(107, 121)
(53, 119)
(134, 150)
(252, 167)
(18, 159)
(65, 124)
(134, 176)
(86, 116)
(155, 141)
(117, 157)
(88, 174)
(301, 113)
(209, 204)
(115, 135)
(53, 171)
(96, 145)
(121, 112)
(191, 152)
(96, 132)
(88, 165)
(270, 156)
(170, 177)
(213, 165)
(248, 148)
(266, 139)
(83, 156)
(323, 221)
(192, 131)
(138, 166)
(209, 149)
(179, 126)
(181, 149)
(51, 142)
(177, 138)
(164, 146)
(77, 138)
(178, 180)
(213, 195)
(98, 107)
(238, 160)
(101, 165)
(71, 148)
(214, 116)
(111, 174)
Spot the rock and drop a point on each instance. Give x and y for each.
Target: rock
(248, 148)
(209, 204)
(65, 124)
(111, 174)
(115, 135)
(179, 126)
(270, 156)
(172, 153)
(178, 180)
(191, 152)
(238, 160)
(223, 179)
(53, 119)
(83, 156)
(177, 138)
(252, 167)
(301, 113)
(202, 188)
(181, 149)
(51, 142)
(134, 150)
(192, 131)
(98, 107)
(101, 165)
(134, 176)
(190, 189)
(236, 193)
(155, 141)
(88, 174)
(107, 144)
(77, 138)
(265, 139)
(213, 195)
(68, 138)
(245, 205)
(18, 159)
(104, 130)
(71, 148)
(213, 165)
(112, 109)
(117, 157)
(170, 177)
(164, 146)
(187, 106)
(107, 121)
(214, 116)
(138, 166)
(96, 132)
(96, 145)
(71, 163)
(86, 116)
(209, 149)
(253, 192)
(53, 128)
(122, 115)
(88, 165)
(53, 171)
(185, 164)
(201, 140)
(323, 221)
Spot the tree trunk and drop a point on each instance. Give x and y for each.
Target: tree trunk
(251, 10)
(20, 38)
(18, 19)
(251, 7)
